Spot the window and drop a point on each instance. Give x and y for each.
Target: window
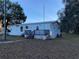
(42, 32)
(21, 28)
(26, 27)
(37, 28)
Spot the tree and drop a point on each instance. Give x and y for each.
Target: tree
(61, 15)
(71, 19)
(17, 14)
(14, 13)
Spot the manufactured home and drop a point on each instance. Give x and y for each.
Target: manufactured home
(52, 27)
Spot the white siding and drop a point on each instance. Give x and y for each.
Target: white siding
(15, 30)
(54, 30)
(34, 26)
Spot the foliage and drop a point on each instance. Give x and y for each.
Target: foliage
(14, 13)
(70, 21)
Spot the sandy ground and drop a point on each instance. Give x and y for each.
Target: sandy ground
(66, 47)
(38, 49)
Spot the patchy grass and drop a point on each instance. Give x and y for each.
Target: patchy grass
(71, 37)
(59, 48)
(11, 38)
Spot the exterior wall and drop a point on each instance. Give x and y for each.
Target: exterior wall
(52, 27)
(15, 30)
(55, 30)
(34, 26)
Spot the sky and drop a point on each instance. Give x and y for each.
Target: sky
(34, 10)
